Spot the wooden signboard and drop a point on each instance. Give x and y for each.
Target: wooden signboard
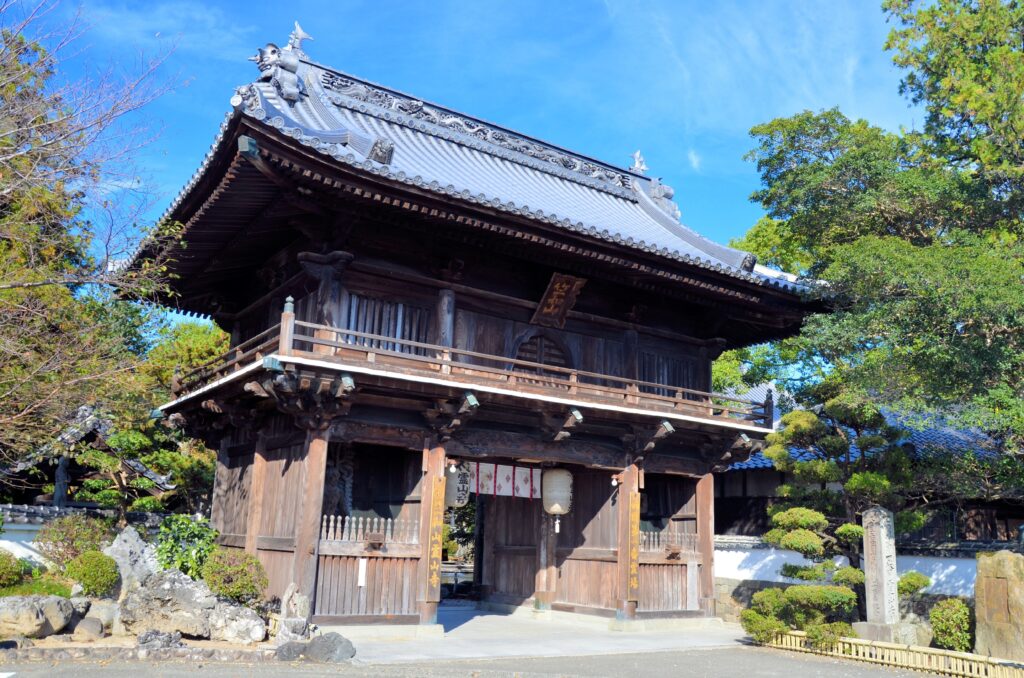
(633, 584)
(558, 300)
(436, 540)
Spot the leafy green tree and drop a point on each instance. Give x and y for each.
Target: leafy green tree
(66, 339)
(964, 61)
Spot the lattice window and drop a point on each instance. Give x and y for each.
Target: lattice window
(387, 318)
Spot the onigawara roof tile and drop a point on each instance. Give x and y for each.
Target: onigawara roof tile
(405, 139)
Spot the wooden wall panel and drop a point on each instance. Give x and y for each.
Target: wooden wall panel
(662, 587)
(278, 565)
(593, 520)
(230, 508)
(586, 582)
(285, 477)
(513, 528)
(390, 587)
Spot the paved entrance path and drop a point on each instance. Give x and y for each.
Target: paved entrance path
(733, 662)
(471, 633)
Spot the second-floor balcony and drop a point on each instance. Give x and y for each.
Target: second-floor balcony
(313, 345)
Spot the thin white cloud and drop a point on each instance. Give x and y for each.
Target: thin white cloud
(187, 26)
(695, 159)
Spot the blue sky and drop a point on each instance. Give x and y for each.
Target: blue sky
(683, 81)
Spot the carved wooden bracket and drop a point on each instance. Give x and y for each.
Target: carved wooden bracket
(732, 452)
(558, 427)
(645, 439)
(312, 401)
(448, 416)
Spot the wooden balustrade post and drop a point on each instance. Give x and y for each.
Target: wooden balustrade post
(431, 530)
(769, 410)
(628, 552)
(256, 485)
(706, 541)
(284, 339)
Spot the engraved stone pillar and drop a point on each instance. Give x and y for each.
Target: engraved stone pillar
(880, 580)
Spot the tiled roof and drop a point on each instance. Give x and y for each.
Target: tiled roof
(938, 437)
(430, 147)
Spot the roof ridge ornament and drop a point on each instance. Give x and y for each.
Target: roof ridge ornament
(280, 67)
(639, 165)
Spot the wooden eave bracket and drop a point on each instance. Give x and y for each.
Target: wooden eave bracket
(559, 427)
(644, 441)
(447, 416)
(735, 451)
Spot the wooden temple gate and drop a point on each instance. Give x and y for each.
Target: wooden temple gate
(395, 307)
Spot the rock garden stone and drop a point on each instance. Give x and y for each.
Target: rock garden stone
(34, 616)
(15, 643)
(294, 604)
(330, 648)
(136, 560)
(159, 640)
(171, 602)
(88, 629)
(291, 629)
(81, 605)
(236, 624)
(290, 652)
(106, 612)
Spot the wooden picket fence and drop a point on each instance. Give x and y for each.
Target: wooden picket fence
(931, 660)
(350, 529)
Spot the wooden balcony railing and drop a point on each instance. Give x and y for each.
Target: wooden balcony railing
(411, 358)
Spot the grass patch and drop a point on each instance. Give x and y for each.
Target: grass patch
(40, 587)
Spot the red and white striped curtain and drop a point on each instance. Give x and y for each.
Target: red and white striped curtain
(504, 480)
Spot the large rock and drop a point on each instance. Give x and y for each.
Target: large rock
(294, 604)
(999, 605)
(136, 560)
(88, 629)
(290, 629)
(106, 611)
(290, 652)
(34, 616)
(236, 624)
(171, 602)
(330, 648)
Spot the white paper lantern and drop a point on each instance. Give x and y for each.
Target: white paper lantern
(456, 487)
(556, 491)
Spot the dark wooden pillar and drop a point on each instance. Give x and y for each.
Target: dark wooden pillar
(431, 530)
(706, 541)
(257, 482)
(628, 553)
(307, 529)
(331, 297)
(446, 318)
(546, 579)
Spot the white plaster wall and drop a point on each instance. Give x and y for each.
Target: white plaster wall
(950, 576)
(19, 540)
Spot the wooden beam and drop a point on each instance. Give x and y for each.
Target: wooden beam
(628, 555)
(256, 489)
(706, 542)
(307, 529)
(431, 530)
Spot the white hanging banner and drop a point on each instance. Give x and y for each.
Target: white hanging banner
(504, 480)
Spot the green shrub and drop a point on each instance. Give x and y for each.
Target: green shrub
(850, 534)
(799, 518)
(769, 602)
(912, 582)
(825, 635)
(43, 586)
(848, 576)
(148, 504)
(761, 628)
(804, 542)
(831, 599)
(951, 624)
(11, 569)
(63, 539)
(185, 542)
(804, 572)
(235, 574)
(95, 571)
